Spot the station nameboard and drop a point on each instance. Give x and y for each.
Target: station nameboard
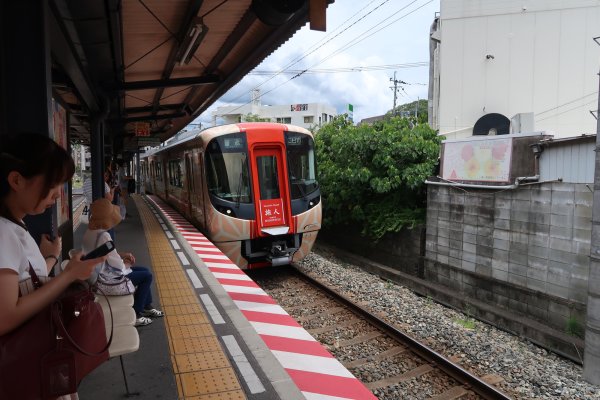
(148, 141)
(133, 143)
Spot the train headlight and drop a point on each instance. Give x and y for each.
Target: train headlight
(226, 210)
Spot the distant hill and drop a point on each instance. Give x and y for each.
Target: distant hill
(408, 109)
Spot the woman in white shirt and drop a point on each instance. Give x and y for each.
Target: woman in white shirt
(33, 169)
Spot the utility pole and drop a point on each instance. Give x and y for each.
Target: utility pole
(395, 90)
(591, 362)
(417, 108)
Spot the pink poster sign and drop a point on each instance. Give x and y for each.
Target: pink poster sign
(486, 160)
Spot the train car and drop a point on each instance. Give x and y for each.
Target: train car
(251, 188)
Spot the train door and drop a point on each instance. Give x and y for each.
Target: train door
(271, 191)
(189, 183)
(201, 186)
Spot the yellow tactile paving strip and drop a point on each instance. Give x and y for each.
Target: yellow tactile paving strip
(202, 370)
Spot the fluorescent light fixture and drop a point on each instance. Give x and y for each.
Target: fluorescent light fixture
(192, 41)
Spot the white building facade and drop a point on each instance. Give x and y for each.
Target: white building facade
(306, 115)
(515, 57)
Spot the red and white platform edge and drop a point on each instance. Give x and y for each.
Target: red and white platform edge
(318, 375)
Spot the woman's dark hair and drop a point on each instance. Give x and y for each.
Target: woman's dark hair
(32, 154)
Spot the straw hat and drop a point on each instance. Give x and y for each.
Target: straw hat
(104, 214)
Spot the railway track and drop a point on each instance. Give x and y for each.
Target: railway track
(390, 363)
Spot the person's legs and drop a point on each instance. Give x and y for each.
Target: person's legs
(143, 304)
(142, 279)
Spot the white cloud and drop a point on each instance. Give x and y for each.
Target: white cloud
(404, 41)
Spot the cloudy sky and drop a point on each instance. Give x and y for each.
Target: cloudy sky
(369, 34)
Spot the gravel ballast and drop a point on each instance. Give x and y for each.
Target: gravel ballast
(527, 371)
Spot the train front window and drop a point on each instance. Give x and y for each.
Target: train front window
(301, 164)
(227, 168)
(267, 176)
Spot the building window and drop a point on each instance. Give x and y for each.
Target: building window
(324, 117)
(284, 120)
(309, 119)
(175, 173)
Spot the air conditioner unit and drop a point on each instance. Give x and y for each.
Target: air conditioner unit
(522, 123)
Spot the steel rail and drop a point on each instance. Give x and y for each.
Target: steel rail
(463, 376)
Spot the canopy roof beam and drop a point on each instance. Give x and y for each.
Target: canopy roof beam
(164, 83)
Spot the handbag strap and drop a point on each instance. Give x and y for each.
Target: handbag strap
(59, 322)
(34, 278)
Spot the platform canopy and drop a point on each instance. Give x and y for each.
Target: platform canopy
(155, 65)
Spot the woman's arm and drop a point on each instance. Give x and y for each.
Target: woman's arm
(15, 310)
(50, 250)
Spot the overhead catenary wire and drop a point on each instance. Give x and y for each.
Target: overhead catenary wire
(346, 69)
(346, 46)
(568, 102)
(319, 44)
(353, 43)
(566, 111)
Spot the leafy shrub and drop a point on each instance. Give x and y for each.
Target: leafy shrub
(372, 175)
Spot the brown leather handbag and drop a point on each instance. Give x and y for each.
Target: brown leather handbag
(48, 355)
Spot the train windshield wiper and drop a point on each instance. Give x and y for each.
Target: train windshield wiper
(240, 181)
(300, 185)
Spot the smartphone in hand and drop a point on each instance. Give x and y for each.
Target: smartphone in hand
(100, 251)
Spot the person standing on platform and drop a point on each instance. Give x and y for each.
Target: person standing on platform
(123, 189)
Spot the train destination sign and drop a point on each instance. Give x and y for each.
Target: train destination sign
(235, 143)
(271, 212)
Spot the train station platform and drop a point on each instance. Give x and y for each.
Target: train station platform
(222, 337)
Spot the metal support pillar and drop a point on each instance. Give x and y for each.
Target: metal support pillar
(137, 172)
(97, 152)
(26, 82)
(591, 363)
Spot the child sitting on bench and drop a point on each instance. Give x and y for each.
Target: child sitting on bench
(105, 216)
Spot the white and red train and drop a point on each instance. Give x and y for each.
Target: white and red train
(251, 188)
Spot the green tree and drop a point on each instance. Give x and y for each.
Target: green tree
(372, 175)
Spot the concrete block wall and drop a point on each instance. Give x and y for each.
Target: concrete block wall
(526, 250)
(402, 251)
